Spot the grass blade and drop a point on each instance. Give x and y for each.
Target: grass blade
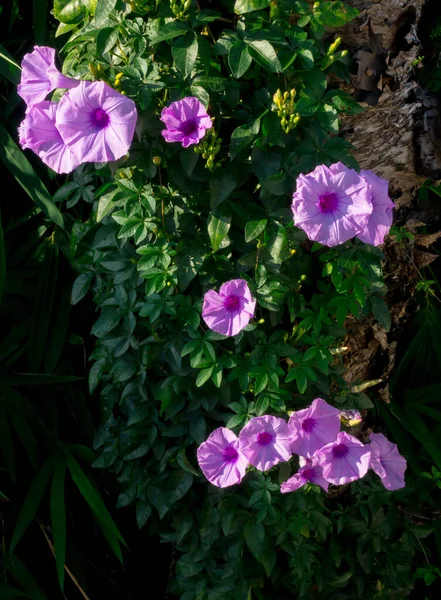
(20, 573)
(58, 518)
(6, 446)
(43, 299)
(18, 417)
(32, 501)
(8, 67)
(19, 166)
(58, 329)
(39, 21)
(96, 504)
(36, 379)
(2, 261)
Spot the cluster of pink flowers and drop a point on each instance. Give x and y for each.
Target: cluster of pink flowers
(334, 204)
(326, 454)
(91, 123)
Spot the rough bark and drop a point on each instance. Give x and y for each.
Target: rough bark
(398, 135)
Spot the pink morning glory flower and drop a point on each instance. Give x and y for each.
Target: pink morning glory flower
(38, 133)
(266, 441)
(331, 204)
(387, 462)
(39, 76)
(380, 220)
(314, 427)
(345, 460)
(310, 473)
(96, 122)
(186, 121)
(221, 459)
(230, 310)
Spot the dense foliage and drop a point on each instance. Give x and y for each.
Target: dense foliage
(149, 234)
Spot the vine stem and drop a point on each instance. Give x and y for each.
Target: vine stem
(162, 197)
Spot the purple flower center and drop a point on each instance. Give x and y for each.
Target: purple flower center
(189, 127)
(264, 438)
(339, 451)
(100, 118)
(308, 474)
(232, 303)
(230, 454)
(328, 202)
(308, 425)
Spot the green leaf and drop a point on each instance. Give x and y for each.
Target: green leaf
(239, 59)
(381, 312)
(264, 54)
(336, 14)
(219, 223)
(254, 534)
(245, 6)
(39, 14)
(203, 376)
(8, 67)
(58, 519)
(18, 165)
(107, 321)
(254, 228)
(185, 52)
(103, 10)
(169, 31)
(32, 500)
(80, 287)
(242, 136)
(306, 58)
(106, 39)
(105, 205)
(72, 11)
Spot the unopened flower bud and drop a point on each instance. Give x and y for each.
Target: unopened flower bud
(157, 160)
(261, 321)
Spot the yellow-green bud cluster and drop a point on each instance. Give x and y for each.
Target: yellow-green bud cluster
(141, 6)
(284, 105)
(209, 147)
(117, 82)
(180, 8)
(333, 47)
